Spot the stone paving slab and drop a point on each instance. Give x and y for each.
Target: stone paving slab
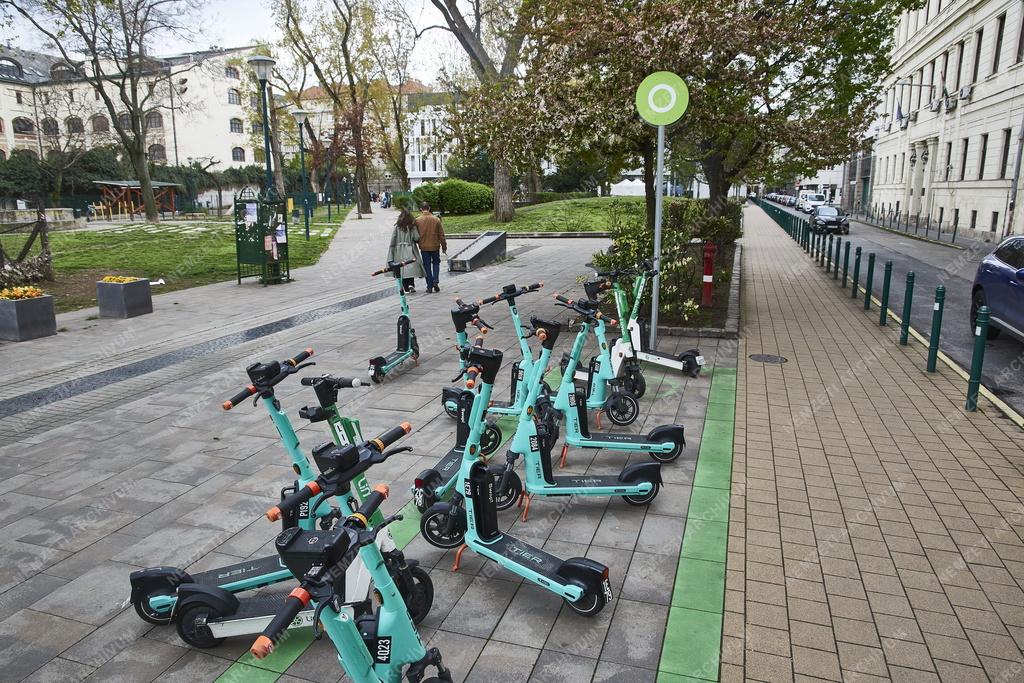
(152, 471)
(875, 526)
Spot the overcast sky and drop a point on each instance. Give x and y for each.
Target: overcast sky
(233, 23)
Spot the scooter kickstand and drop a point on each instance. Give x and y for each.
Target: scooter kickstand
(598, 418)
(565, 452)
(458, 557)
(526, 510)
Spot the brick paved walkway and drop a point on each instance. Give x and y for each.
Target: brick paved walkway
(876, 527)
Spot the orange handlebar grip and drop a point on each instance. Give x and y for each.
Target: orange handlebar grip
(382, 489)
(274, 514)
(262, 647)
(407, 426)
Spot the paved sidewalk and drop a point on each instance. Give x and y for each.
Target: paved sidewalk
(876, 527)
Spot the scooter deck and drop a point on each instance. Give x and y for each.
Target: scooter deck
(255, 614)
(612, 440)
(660, 358)
(586, 485)
(524, 554)
(249, 572)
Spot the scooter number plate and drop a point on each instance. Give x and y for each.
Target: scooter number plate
(606, 586)
(700, 360)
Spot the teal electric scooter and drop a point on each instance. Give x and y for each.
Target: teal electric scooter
(407, 347)
(373, 647)
(471, 518)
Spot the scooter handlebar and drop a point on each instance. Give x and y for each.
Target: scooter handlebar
(298, 358)
(239, 397)
(370, 504)
(294, 500)
(339, 382)
(389, 437)
(293, 604)
(505, 296)
(252, 389)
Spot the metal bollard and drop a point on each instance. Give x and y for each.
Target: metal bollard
(869, 281)
(933, 341)
(814, 245)
(978, 359)
(846, 262)
(908, 302)
(828, 256)
(856, 274)
(835, 268)
(883, 318)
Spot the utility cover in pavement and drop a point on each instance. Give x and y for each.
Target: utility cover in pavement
(766, 358)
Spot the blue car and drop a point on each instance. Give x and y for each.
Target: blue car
(999, 284)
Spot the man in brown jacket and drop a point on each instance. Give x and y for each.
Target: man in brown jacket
(431, 239)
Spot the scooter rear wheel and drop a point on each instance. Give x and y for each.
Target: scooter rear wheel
(589, 605)
(671, 456)
(622, 408)
(434, 528)
(375, 374)
(643, 499)
(193, 633)
(149, 615)
(490, 439)
(451, 408)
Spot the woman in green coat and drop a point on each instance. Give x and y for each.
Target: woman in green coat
(404, 247)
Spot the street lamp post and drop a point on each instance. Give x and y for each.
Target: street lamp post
(300, 119)
(262, 65)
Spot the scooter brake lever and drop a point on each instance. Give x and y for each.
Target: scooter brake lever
(300, 366)
(396, 451)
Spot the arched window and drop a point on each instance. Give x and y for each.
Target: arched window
(234, 97)
(257, 128)
(62, 72)
(238, 154)
(157, 153)
(125, 120)
(231, 72)
(3, 155)
(254, 101)
(74, 125)
(100, 124)
(10, 68)
(1, 125)
(258, 156)
(154, 120)
(51, 127)
(236, 126)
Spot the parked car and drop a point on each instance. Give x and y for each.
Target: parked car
(999, 284)
(827, 218)
(807, 201)
(790, 200)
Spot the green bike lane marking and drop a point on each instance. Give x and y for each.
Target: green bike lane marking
(693, 636)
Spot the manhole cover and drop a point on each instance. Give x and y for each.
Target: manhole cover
(766, 358)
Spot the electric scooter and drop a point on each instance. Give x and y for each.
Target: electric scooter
(372, 647)
(637, 483)
(471, 517)
(407, 347)
(634, 344)
(664, 443)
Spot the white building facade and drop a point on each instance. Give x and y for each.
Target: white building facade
(201, 114)
(951, 118)
(426, 160)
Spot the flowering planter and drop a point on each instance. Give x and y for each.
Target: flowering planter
(124, 299)
(24, 319)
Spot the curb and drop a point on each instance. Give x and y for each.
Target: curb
(908, 235)
(732, 316)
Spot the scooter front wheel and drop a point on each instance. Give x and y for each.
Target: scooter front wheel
(589, 605)
(451, 408)
(422, 597)
(509, 495)
(375, 374)
(434, 528)
(644, 498)
(194, 633)
(635, 384)
(622, 408)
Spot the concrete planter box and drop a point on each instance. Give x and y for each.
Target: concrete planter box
(24, 319)
(124, 300)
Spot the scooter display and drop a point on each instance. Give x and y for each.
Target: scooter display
(381, 647)
(663, 443)
(633, 345)
(637, 483)
(470, 517)
(407, 347)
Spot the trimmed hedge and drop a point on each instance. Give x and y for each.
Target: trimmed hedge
(455, 197)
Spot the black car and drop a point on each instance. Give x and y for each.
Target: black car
(825, 219)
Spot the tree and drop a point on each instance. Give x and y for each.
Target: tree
(63, 134)
(492, 39)
(473, 165)
(327, 36)
(22, 176)
(115, 39)
(770, 82)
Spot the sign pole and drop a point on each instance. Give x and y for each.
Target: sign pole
(658, 183)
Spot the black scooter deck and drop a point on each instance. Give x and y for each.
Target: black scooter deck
(240, 571)
(588, 480)
(525, 554)
(623, 438)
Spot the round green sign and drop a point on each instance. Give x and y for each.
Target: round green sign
(662, 98)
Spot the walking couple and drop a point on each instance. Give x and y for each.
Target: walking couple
(422, 239)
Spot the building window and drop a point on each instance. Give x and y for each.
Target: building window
(157, 153)
(231, 72)
(258, 156)
(903, 164)
(995, 221)
(17, 97)
(956, 217)
(51, 127)
(963, 158)
(1000, 29)
(254, 101)
(949, 160)
(234, 97)
(974, 220)
(942, 212)
(920, 89)
(257, 128)
(981, 157)
(1, 125)
(3, 155)
(74, 125)
(1020, 39)
(100, 124)
(10, 69)
(236, 126)
(154, 120)
(423, 163)
(978, 35)
(96, 94)
(1004, 160)
(237, 154)
(961, 50)
(124, 119)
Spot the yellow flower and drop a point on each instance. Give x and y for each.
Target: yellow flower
(15, 293)
(119, 279)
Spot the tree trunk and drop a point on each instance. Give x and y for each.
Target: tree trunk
(275, 146)
(362, 190)
(504, 212)
(45, 256)
(138, 159)
(650, 162)
(718, 184)
(533, 180)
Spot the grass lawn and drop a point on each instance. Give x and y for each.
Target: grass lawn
(567, 215)
(184, 255)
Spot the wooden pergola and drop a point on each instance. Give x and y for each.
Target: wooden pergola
(127, 194)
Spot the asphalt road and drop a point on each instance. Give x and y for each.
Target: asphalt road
(934, 264)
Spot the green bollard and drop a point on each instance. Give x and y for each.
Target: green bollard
(978, 359)
(835, 267)
(856, 274)
(883, 318)
(869, 281)
(846, 262)
(828, 256)
(933, 341)
(908, 301)
(814, 245)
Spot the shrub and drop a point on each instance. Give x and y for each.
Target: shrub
(460, 197)
(427, 192)
(682, 265)
(544, 197)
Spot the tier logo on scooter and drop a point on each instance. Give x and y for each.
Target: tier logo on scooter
(526, 554)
